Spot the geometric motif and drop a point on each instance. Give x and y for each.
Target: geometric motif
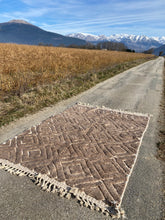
(92, 149)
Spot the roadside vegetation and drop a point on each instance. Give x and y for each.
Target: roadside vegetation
(161, 139)
(33, 77)
(161, 142)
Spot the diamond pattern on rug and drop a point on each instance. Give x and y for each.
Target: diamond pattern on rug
(86, 147)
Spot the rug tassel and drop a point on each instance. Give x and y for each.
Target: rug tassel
(68, 196)
(49, 188)
(92, 207)
(44, 186)
(62, 189)
(54, 189)
(39, 181)
(97, 208)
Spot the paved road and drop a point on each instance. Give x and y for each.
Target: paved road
(136, 90)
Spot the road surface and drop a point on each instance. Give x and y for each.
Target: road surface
(136, 90)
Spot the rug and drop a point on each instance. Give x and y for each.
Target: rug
(84, 152)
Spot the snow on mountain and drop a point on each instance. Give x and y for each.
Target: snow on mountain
(159, 39)
(138, 43)
(84, 36)
(88, 37)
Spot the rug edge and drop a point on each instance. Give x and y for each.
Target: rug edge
(114, 110)
(136, 156)
(62, 189)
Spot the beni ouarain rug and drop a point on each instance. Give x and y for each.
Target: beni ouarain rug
(84, 152)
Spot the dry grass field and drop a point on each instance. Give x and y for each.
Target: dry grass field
(32, 77)
(22, 66)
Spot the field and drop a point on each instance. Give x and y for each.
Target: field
(32, 77)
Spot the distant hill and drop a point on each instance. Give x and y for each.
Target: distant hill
(134, 42)
(22, 32)
(160, 51)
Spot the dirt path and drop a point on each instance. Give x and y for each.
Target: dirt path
(136, 90)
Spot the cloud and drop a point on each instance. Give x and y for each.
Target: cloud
(95, 15)
(64, 10)
(105, 21)
(63, 4)
(31, 13)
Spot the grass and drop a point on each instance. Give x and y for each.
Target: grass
(161, 141)
(33, 77)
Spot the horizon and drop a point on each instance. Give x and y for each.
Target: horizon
(108, 17)
(116, 34)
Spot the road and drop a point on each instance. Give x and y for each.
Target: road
(136, 90)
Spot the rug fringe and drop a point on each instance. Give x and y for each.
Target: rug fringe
(63, 190)
(16, 169)
(114, 110)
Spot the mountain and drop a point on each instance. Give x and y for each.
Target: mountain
(89, 37)
(22, 32)
(159, 39)
(134, 42)
(159, 51)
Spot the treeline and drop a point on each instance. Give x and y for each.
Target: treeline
(114, 46)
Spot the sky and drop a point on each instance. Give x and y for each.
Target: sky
(99, 17)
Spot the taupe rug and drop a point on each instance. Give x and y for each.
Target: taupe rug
(84, 152)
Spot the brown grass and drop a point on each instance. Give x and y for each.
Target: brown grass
(22, 66)
(161, 125)
(32, 77)
(161, 140)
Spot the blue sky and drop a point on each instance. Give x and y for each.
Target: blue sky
(142, 17)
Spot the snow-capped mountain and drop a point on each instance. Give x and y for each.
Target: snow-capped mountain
(159, 39)
(135, 42)
(89, 37)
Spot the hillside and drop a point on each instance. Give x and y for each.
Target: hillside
(160, 51)
(22, 32)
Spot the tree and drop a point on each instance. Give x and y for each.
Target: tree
(160, 53)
